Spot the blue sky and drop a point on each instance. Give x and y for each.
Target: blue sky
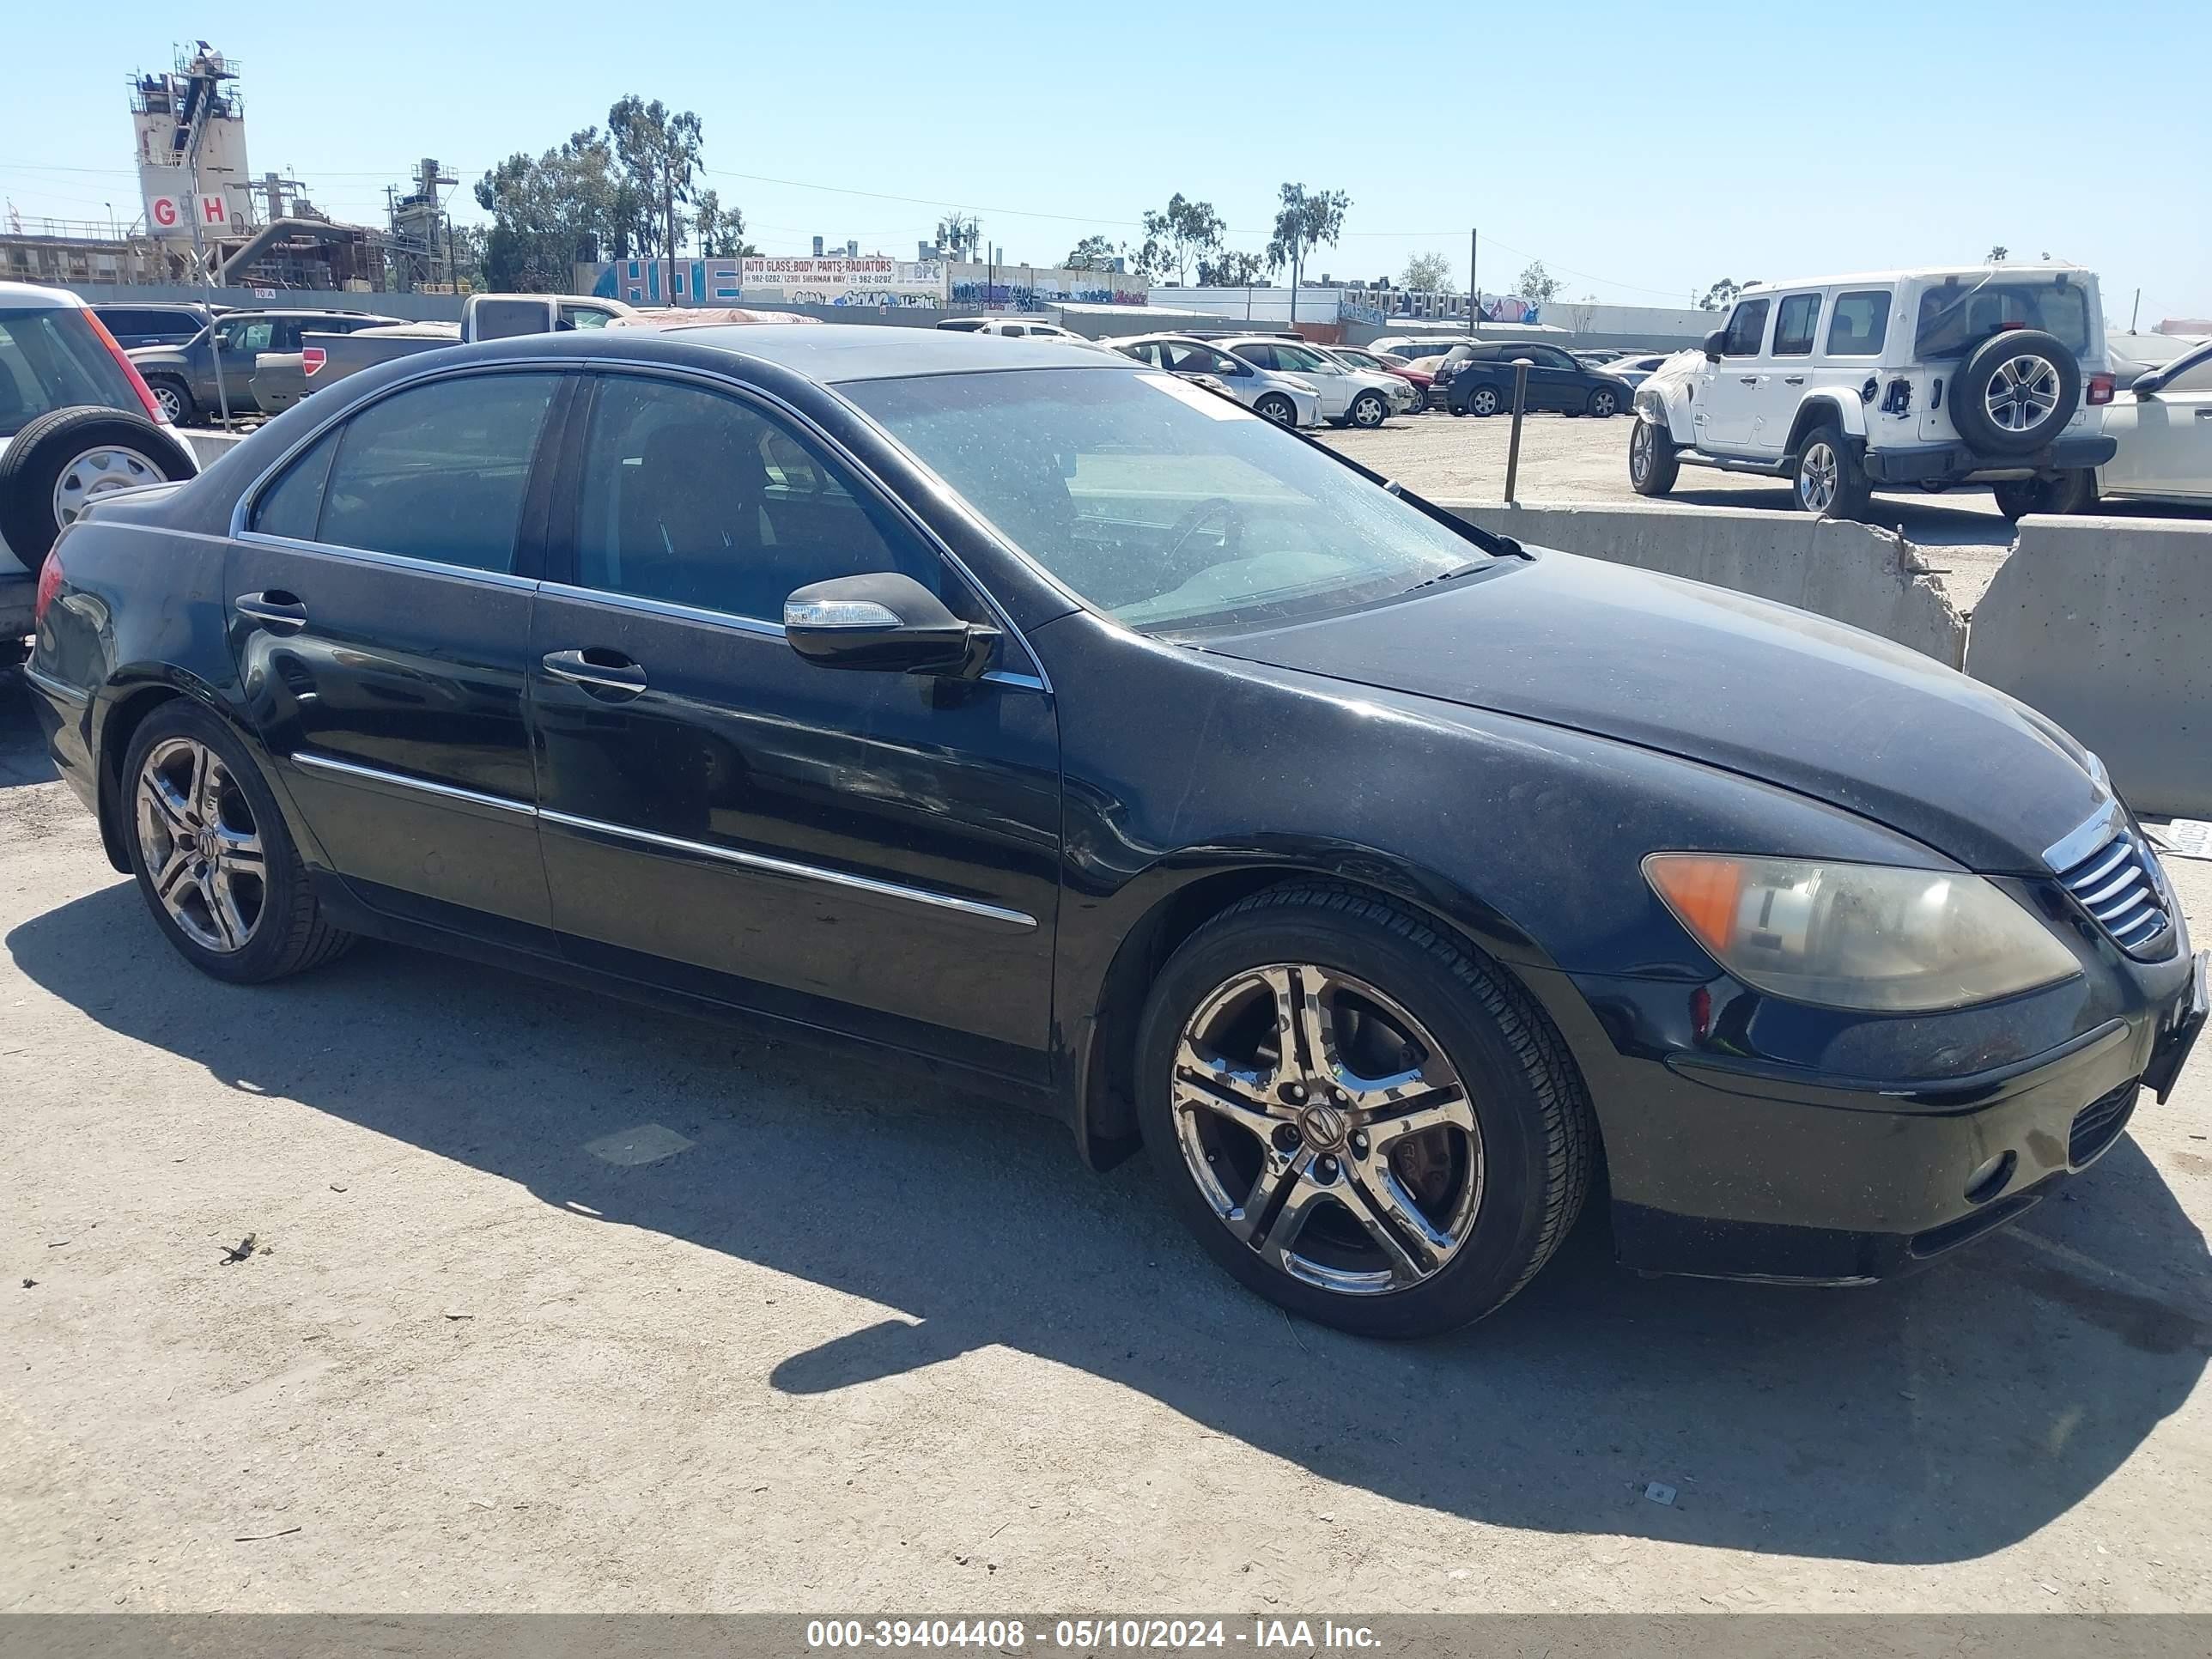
(1640, 150)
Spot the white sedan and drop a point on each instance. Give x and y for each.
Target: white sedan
(2164, 425)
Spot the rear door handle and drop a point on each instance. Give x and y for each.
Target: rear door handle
(277, 612)
(597, 668)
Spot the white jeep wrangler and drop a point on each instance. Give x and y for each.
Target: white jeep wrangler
(1843, 384)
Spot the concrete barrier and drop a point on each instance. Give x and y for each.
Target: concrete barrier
(2106, 625)
(208, 447)
(1854, 572)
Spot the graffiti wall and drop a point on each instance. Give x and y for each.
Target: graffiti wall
(1032, 287)
(867, 281)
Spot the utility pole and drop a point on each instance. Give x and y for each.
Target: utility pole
(1474, 289)
(2134, 311)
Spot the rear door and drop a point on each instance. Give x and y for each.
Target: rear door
(1787, 373)
(1556, 381)
(379, 591)
(875, 852)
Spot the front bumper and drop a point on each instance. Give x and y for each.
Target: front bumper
(1955, 463)
(1724, 1165)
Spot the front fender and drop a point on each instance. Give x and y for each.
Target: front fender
(1666, 404)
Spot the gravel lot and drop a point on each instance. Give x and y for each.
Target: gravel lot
(844, 1340)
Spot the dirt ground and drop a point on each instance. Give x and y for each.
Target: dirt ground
(554, 1304)
(1963, 535)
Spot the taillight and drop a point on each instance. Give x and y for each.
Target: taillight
(2100, 389)
(311, 361)
(50, 584)
(130, 369)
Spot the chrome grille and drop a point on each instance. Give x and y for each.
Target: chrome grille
(2120, 886)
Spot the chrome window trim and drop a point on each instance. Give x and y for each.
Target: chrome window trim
(394, 561)
(806, 423)
(315, 762)
(48, 683)
(639, 603)
(760, 861)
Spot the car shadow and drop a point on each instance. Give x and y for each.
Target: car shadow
(1936, 1419)
(23, 757)
(1924, 520)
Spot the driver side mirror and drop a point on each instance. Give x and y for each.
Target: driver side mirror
(2147, 383)
(1713, 343)
(885, 622)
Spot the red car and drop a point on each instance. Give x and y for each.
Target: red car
(1388, 362)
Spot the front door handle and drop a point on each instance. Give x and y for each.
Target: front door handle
(596, 668)
(1792, 380)
(277, 612)
(1748, 379)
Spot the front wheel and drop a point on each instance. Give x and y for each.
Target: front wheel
(174, 397)
(1653, 464)
(212, 856)
(1277, 408)
(1360, 1121)
(1369, 410)
(1826, 477)
(2072, 491)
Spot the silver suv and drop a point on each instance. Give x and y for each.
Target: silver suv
(1286, 399)
(1843, 384)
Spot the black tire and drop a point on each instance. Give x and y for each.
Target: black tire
(1485, 401)
(2071, 491)
(287, 932)
(1538, 1137)
(175, 398)
(1653, 462)
(49, 447)
(1825, 476)
(1277, 408)
(1604, 403)
(1369, 410)
(2055, 380)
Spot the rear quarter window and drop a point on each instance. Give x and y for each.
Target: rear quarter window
(1858, 325)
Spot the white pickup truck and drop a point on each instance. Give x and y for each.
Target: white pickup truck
(281, 379)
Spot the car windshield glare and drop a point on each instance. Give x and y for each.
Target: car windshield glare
(1169, 506)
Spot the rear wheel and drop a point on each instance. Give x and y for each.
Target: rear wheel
(1360, 1119)
(1368, 409)
(2072, 491)
(1653, 465)
(1483, 400)
(1826, 477)
(1277, 408)
(67, 459)
(212, 856)
(1605, 402)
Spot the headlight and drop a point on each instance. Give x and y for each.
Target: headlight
(1306, 387)
(1859, 935)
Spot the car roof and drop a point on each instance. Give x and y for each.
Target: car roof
(28, 296)
(835, 353)
(1922, 273)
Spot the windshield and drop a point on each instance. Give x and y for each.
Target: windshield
(1954, 318)
(1168, 506)
(51, 359)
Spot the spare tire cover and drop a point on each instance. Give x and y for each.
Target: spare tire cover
(2015, 392)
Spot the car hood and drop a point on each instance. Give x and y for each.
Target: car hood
(1738, 683)
(146, 357)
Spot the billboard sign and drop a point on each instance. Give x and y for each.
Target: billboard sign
(756, 280)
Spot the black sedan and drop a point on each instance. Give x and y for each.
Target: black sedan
(1020, 709)
(1478, 379)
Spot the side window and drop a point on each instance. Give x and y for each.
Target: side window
(1859, 324)
(1795, 325)
(584, 317)
(292, 506)
(1262, 357)
(438, 472)
(1745, 329)
(248, 334)
(1548, 357)
(2196, 379)
(697, 499)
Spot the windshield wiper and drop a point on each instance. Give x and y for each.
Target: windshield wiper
(1456, 571)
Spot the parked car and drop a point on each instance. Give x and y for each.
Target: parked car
(324, 356)
(183, 378)
(1413, 388)
(1593, 357)
(1002, 703)
(1419, 350)
(1478, 379)
(76, 422)
(1637, 369)
(1349, 397)
(1014, 328)
(146, 324)
(2161, 427)
(1286, 399)
(1933, 377)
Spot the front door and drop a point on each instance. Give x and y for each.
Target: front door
(877, 852)
(379, 598)
(2165, 440)
(1728, 391)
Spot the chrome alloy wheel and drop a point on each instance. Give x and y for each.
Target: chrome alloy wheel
(200, 847)
(1642, 450)
(99, 472)
(2022, 393)
(1327, 1129)
(1816, 477)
